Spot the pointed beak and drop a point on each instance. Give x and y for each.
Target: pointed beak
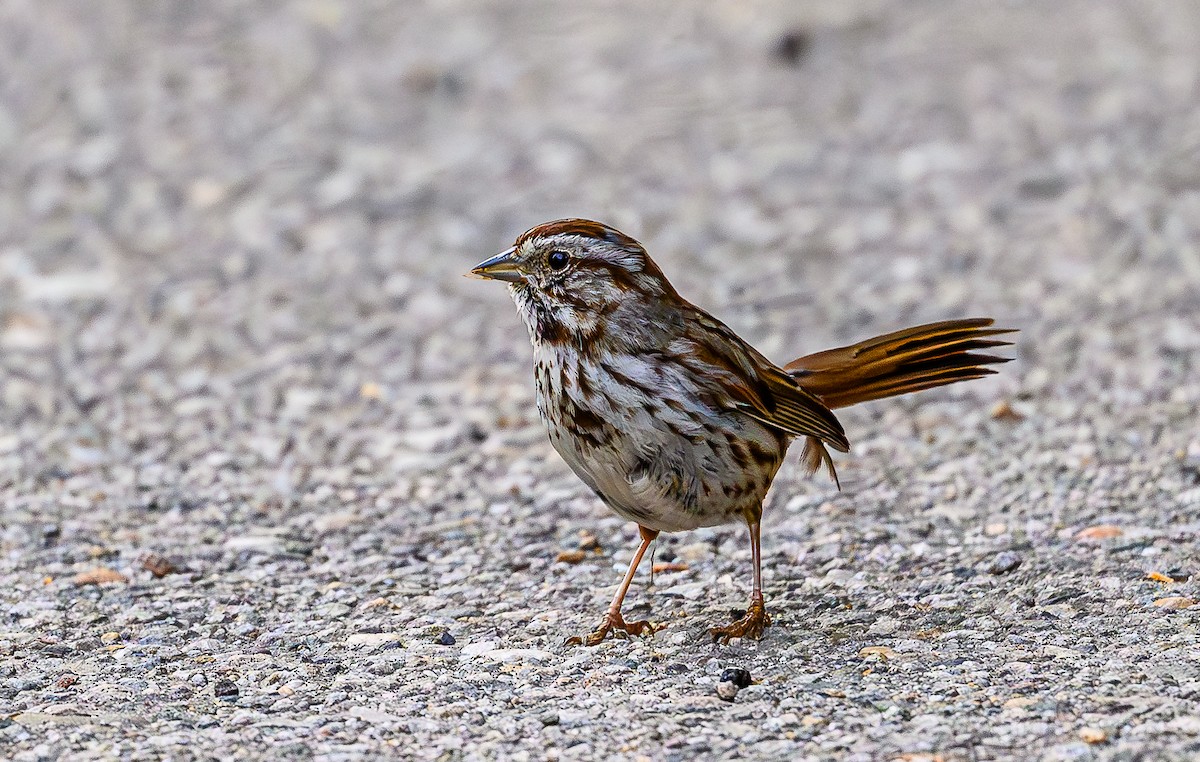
(503, 266)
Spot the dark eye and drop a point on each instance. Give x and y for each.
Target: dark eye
(558, 259)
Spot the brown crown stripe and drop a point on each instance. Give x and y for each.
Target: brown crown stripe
(579, 227)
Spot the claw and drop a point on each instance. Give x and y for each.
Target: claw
(751, 625)
(613, 622)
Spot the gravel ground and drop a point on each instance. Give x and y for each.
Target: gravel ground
(272, 479)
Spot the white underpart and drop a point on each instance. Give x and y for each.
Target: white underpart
(659, 455)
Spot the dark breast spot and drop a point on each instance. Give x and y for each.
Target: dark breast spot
(761, 455)
(552, 332)
(585, 386)
(587, 428)
(740, 453)
(586, 419)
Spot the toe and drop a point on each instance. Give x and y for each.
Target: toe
(720, 635)
(596, 637)
(637, 628)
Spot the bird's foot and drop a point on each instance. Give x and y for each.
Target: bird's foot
(749, 626)
(612, 624)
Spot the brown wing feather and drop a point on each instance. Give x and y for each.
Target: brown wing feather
(798, 411)
(768, 393)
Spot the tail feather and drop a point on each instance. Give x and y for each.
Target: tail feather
(815, 455)
(901, 362)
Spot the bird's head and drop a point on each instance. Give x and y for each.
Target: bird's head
(567, 276)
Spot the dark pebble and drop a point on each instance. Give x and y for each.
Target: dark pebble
(225, 690)
(736, 675)
(1044, 186)
(792, 46)
(446, 639)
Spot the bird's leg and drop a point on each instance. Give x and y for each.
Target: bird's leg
(612, 619)
(756, 618)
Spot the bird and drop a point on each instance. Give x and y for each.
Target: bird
(673, 420)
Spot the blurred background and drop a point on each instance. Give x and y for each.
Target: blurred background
(255, 208)
(234, 331)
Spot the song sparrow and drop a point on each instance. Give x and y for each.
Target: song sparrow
(673, 420)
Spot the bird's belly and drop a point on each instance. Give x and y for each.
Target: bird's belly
(649, 474)
(650, 443)
(653, 500)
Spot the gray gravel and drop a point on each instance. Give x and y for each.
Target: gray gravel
(271, 475)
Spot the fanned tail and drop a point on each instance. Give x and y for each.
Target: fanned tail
(897, 363)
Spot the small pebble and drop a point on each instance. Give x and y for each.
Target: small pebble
(225, 690)
(1175, 602)
(1003, 411)
(1099, 533)
(159, 566)
(99, 576)
(733, 679)
(1004, 562)
(727, 691)
(446, 639)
